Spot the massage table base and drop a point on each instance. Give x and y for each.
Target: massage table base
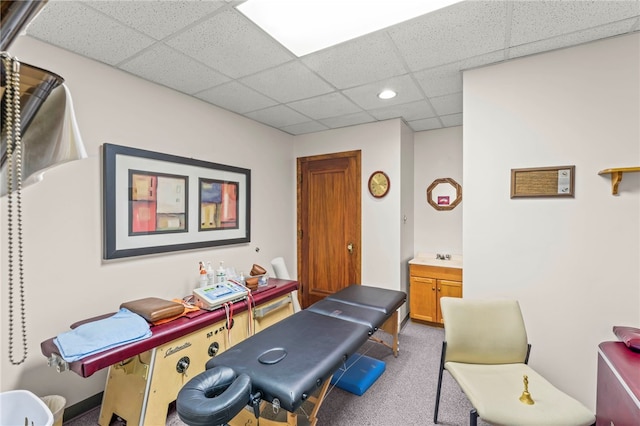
(140, 389)
(392, 327)
(298, 418)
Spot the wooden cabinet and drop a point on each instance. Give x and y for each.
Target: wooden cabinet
(427, 284)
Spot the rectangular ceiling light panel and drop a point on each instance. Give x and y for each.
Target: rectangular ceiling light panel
(306, 26)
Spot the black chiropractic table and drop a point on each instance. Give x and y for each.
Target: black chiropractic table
(289, 361)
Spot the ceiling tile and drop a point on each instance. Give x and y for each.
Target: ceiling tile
(157, 19)
(441, 80)
(447, 79)
(236, 97)
(302, 128)
(459, 31)
(348, 120)
(329, 105)
(278, 116)
(209, 50)
(451, 120)
(538, 20)
(448, 104)
(90, 33)
(288, 82)
(363, 60)
(230, 44)
(165, 66)
(410, 111)
(426, 124)
(367, 96)
(572, 39)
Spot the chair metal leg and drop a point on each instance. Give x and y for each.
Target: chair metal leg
(444, 351)
(473, 418)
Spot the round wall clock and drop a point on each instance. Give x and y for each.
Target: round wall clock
(379, 184)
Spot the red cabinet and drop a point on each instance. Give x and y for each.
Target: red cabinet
(618, 394)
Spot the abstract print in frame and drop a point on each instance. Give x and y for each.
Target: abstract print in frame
(218, 205)
(158, 203)
(153, 201)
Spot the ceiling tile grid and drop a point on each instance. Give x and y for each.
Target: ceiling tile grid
(538, 20)
(278, 116)
(229, 43)
(457, 32)
(236, 97)
(209, 50)
(330, 105)
(289, 82)
(360, 61)
(157, 19)
(171, 68)
(90, 34)
(347, 120)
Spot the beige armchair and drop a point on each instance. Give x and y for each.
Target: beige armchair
(486, 352)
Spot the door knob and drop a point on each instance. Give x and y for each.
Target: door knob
(350, 247)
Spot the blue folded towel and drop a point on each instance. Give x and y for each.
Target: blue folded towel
(96, 336)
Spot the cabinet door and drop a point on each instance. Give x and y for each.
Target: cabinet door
(422, 298)
(447, 288)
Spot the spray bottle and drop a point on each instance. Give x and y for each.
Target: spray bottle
(202, 280)
(221, 275)
(211, 275)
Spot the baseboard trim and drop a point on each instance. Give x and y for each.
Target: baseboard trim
(82, 407)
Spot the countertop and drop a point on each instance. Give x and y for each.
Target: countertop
(430, 259)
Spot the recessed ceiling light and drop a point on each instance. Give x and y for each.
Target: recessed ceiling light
(387, 94)
(306, 26)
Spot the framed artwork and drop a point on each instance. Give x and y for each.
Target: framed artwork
(157, 203)
(556, 181)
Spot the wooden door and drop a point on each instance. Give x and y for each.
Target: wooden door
(328, 224)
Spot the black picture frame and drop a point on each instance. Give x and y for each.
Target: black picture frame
(154, 203)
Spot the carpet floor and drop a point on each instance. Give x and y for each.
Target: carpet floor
(404, 394)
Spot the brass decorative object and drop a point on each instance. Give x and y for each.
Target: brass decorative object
(525, 398)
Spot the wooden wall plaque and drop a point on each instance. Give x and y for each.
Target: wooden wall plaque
(543, 182)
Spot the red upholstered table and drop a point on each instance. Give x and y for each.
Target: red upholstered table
(145, 376)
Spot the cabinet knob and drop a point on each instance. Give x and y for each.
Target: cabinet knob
(439, 289)
(433, 288)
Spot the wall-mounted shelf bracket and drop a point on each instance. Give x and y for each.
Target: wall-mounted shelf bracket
(616, 176)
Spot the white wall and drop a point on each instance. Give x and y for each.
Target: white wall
(438, 154)
(572, 263)
(407, 205)
(66, 278)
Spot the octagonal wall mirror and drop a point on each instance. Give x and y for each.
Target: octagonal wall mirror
(444, 194)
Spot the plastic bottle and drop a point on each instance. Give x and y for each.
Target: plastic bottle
(211, 276)
(202, 275)
(221, 275)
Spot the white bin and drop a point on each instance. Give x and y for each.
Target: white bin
(22, 407)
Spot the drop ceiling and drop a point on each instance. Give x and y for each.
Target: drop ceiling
(209, 50)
